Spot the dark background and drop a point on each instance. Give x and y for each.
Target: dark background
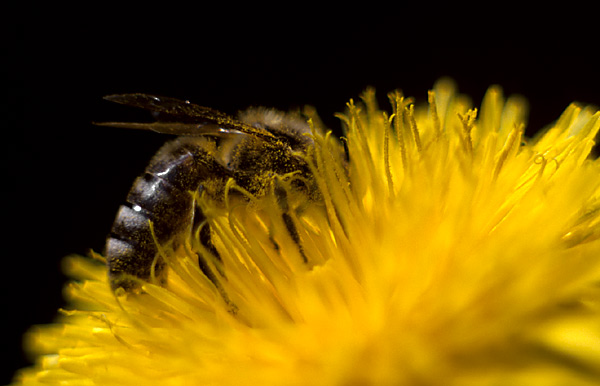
(63, 178)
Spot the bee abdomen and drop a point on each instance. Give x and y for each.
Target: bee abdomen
(131, 247)
(161, 197)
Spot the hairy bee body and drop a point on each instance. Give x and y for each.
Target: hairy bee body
(212, 149)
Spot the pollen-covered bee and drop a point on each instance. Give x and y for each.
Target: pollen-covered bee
(211, 149)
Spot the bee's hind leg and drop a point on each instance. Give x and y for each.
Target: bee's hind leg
(282, 200)
(201, 228)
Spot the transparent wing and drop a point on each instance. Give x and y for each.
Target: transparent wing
(174, 116)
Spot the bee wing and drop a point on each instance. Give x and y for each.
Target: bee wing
(178, 117)
(167, 109)
(176, 128)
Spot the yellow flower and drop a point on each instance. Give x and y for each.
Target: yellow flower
(445, 250)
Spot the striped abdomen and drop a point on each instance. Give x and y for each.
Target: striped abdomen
(163, 196)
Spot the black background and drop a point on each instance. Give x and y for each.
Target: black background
(63, 178)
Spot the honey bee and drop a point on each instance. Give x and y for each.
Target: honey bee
(211, 148)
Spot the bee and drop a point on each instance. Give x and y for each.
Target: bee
(210, 149)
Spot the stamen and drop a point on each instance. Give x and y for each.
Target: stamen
(468, 121)
(160, 253)
(397, 101)
(511, 143)
(386, 151)
(368, 98)
(437, 127)
(410, 113)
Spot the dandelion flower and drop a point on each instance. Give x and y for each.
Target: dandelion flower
(445, 249)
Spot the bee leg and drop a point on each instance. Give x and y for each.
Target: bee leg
(275, 244)
(282, 201)
(202, 228)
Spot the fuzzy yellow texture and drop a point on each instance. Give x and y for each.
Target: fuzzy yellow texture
(448, 250)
